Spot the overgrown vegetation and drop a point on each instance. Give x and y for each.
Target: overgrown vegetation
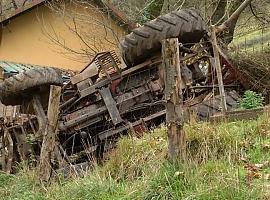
(219, 166)
(255, 66)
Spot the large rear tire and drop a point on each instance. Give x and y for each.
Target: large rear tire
(13, 90)
(143, 42)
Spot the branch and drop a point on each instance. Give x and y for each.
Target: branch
(257, 17)
(233, 18)
(78, 22)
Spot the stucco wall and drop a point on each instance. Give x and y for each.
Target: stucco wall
(25, 39)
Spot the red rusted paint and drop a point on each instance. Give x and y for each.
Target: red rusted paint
(114, 84)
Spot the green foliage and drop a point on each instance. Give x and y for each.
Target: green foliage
(144, 17)
(212, 180)
(24, 186)
(154, 8)
(151, 11)
(5, 179)
(251, 99)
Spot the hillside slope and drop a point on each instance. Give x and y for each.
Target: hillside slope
(227, 161)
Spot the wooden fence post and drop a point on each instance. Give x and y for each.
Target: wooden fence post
(48, 144)
(8, 146)
(174, 98)
(218, 70)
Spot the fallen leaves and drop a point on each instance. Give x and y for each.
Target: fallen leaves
(246, 144)
(265, 147)
(254, 171)
(266, 190)
(262, 165)
(264, 129)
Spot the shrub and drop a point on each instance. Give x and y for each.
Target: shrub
(251, 99)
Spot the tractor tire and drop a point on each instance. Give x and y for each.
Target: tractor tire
(143, 42)
(14, 89)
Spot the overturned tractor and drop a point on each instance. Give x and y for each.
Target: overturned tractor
(110, 97)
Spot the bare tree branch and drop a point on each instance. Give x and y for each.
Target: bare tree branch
(91, 25)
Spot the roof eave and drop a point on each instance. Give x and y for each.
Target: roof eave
(117, 15)
(20, 10)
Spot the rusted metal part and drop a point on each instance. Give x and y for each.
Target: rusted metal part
(20, 131)
(22, 146)
(114, 85)
(237, 75)
(111, 105)
(107, 65)
(109, 133)
(187, 75)
(83, 118)
(195, 56)
(138, 130)
(250, 114)
(123, 101)
(92, 89)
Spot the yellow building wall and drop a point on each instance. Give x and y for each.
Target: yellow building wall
(26, 38)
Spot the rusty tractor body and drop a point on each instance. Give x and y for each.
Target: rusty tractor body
(108, 99)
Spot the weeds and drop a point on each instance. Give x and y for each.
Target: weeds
(138, 168)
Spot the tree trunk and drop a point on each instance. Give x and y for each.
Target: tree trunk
(228, 36)
(234, 11)
(219, 12)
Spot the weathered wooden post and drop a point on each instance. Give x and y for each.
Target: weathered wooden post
(49, 137)
(216, 62)
(226, 25)
(7, 151)
(174, 98)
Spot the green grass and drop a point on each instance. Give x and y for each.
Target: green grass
(252, 41)
(139, 169)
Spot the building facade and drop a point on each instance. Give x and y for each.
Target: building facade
(42, 34)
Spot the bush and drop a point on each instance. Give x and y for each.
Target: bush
(251, 99)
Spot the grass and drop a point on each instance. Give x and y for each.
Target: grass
(139, 169)
(252, 41)
(255, 68)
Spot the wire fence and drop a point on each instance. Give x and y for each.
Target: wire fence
(256, 41)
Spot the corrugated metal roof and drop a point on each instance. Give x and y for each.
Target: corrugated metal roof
(11, 68)
(11, 8)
